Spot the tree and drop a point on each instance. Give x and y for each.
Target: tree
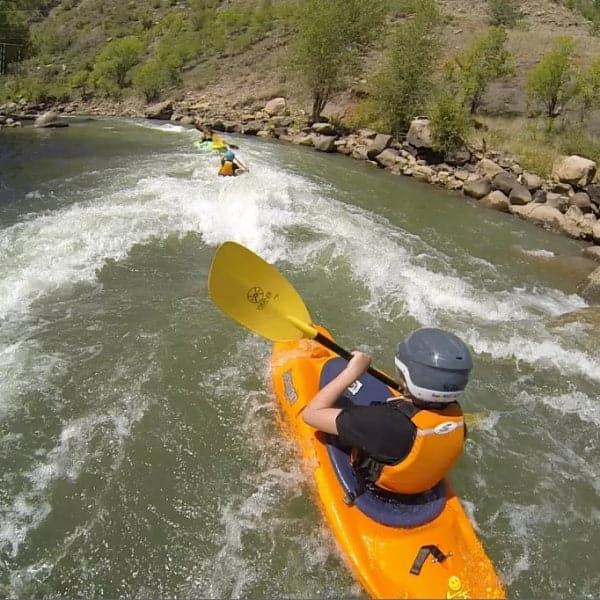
(114, 62)
(485, 61)
(553, 82)
(327, 47)
(588, 89)
(401, 88)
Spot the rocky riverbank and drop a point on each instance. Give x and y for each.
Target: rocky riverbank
(567, 203)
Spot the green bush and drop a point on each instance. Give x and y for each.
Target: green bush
(330, 41)
(553, 83)
(504, 13)
(486, 60)
(449, 120)
(152, 79)
(113, 63)
(401, 89)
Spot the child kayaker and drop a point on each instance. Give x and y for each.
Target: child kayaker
(409, 443)
(230, 165)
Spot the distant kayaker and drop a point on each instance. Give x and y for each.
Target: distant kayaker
(231, 165)
(408, 444)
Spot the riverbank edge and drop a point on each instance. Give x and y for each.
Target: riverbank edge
(568, 203)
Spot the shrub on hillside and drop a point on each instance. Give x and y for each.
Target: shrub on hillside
(552, 84)
(153, 78)
(485, 61)
(400, 90)
(113, 63)
(504, 13)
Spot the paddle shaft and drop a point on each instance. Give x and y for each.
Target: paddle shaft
(325, 341)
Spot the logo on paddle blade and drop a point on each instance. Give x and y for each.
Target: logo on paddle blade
(256, 295)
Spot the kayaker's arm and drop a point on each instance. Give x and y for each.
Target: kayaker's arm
(320, 412)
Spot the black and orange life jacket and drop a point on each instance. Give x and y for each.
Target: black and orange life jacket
(438, 444)
(227, 168)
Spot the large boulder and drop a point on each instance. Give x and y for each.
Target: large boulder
(379, 144)
(49, 119)
(419, 133)
(520, 195)
(162, 110)
(323, 128)
(574, 170)
(504, 182)
(458, 158)
(546, 216)
(531, 181)
(423, 173)
(497, 200)
(387, 158)
(488, 168)
(477, 188)
(581, 200)
(324, 143)
(252, 128)
(275, 107)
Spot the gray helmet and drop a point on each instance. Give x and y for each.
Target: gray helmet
(435, 365)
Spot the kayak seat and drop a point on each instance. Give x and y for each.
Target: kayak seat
(394, 510)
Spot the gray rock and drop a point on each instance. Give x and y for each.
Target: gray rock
(504, 182)
(520, 195)
(419, 133)
(162, 110)
(323, 128)
(593, 191)
(547, 216)
(581, 200)
(539, 197)
(275, 106)
(497, 200)
(531, 181)
(574, 170)
(458, 158)
(488, 168)
(324, 143)
(387, 158)
(46, 120)
(379, 144)
(561, 188)
(477, 188)
(557, 201)
(252, 128)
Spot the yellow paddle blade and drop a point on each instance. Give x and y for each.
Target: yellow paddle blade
(252, 292)
(217, 140)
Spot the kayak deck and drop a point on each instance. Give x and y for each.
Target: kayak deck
(425, 548)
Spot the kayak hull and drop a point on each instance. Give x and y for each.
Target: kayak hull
(209, 146)
(390, 561)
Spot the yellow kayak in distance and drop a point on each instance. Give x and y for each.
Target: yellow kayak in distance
(419, 546)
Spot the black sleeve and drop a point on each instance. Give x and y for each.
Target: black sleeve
(384, 433)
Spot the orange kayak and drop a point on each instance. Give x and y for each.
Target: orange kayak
(421, 546)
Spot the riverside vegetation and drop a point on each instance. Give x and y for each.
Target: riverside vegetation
(365, 72)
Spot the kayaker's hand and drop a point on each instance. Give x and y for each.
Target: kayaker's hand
(358, 364)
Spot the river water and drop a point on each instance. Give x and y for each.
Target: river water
(139, 444)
